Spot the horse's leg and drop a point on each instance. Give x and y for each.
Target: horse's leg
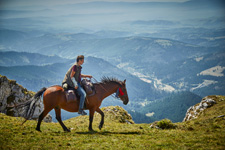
(91, 116)
(41, 117)
(58, 117)
(102, 120)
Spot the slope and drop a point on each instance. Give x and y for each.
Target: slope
(205, 132)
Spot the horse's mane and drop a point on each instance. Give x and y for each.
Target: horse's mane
(110, 79)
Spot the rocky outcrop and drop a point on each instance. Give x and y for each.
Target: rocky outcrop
(194, 111)
(11, 94)
(117, 114)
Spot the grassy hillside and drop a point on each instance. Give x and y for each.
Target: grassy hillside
(206, 132)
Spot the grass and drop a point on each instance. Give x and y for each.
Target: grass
(206, 132)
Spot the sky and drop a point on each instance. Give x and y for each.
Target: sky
(62, 14)
(4, 4)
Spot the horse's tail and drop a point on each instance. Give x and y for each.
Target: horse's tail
(39, 93)
(32, 104)
(29, 106)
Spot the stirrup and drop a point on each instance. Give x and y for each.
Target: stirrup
(83, 113)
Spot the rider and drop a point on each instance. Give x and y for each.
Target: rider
(72, 79)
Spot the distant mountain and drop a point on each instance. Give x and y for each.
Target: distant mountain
(11, 37)
(150, 50)
(11, 58)
(203, 75)
(205, 3)
(195, 35)
(112, 34)
(163, 63)
(173, 107)
(160, 50)
(154, 23)
(153, 60)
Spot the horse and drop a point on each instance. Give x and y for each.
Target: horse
(54, 98)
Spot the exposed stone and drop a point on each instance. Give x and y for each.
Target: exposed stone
(11, 94)
(117, 113)
(220, 116)
(194, 111)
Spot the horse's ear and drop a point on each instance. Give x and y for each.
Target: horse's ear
(124, 81)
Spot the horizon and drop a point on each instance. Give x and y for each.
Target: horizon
(90, 16)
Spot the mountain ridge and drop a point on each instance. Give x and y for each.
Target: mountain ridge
(13, 58)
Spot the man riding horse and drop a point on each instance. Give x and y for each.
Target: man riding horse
(54, 97)
(72, 80)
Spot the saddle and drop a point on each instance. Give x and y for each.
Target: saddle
(88, 87)
(71, 96)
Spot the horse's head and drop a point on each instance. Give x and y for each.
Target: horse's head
(123, 93)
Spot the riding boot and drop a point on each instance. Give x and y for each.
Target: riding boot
(82, 112)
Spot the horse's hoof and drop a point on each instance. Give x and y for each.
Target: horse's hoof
(100, 127)
(38, 129)
(67, 130)
(91, 130)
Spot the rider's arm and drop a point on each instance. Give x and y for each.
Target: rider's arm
(73, 79)
(86, 76)
(72, 73)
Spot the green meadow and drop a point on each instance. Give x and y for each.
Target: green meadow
(205, 132)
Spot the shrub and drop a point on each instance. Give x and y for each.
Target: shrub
(166, 124)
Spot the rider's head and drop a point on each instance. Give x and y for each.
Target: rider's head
(80, 59)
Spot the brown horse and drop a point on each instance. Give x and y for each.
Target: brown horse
(54, 98)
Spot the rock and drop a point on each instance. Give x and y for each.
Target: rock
(118, 114)
(11, 94)
(194, 111)
(48, 118)
(154, 125)
(220, 116)
(151, 126)
(158, 127)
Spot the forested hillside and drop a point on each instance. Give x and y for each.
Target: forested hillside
(172, 107)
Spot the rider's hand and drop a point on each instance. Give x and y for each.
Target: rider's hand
(76, 87)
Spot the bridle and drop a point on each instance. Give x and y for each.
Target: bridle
(119, 91)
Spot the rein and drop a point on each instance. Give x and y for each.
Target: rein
(114, 96)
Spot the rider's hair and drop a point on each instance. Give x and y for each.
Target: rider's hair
(80, 57)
